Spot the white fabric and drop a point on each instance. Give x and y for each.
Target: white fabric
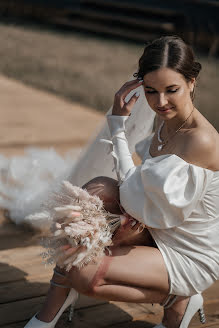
(96, 159)
(119, 146)
(179, 202)
(26, 180)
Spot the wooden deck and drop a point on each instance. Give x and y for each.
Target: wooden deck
(24, 283)
(23, 277)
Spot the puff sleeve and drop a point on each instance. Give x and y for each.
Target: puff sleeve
(164, 191)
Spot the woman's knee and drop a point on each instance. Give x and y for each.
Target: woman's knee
(107, 190)
(87, 279)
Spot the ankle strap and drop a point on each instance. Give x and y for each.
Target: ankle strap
(59, 285)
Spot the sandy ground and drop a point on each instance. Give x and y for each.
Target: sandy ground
(30, 117)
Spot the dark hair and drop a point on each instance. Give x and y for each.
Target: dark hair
(171, 52)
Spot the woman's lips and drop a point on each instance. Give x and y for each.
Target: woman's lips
(164, 110)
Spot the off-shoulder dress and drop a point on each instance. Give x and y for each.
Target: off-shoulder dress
(178, 202)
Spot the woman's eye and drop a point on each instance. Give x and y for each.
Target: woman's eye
(172, 91)
(154, 91)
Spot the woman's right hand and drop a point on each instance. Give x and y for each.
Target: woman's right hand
(120, 107)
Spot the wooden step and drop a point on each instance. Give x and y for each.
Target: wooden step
(103, 29)
(135, 21)
(155, 7)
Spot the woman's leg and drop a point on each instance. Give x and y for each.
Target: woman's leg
(131, 274)
(107, 189)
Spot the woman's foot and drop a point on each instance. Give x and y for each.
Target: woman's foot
(56, 297)
(174, 315)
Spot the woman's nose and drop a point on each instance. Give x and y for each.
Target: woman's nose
(162, 100)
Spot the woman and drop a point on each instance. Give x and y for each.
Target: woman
(174, 193)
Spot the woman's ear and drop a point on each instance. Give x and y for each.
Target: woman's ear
(192, 83)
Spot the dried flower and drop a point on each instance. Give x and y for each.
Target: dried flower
(77, 219)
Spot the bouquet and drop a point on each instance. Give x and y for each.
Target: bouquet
(77, 219)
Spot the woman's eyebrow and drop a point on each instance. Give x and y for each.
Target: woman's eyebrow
(169, 86)
(173, 85)
(148, 87)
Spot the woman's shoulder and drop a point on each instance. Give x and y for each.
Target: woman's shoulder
(201, 147)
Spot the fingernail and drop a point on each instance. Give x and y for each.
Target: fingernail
(133, 223)
(137, 94)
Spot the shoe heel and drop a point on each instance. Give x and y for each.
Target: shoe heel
(71, 313)
(202, 315)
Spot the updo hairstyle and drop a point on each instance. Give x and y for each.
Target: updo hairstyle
(171, 52)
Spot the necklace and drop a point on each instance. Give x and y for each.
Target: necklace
(163, 143)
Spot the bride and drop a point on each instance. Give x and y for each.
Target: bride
(174, 194)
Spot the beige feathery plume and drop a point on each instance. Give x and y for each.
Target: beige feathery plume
(77, 219)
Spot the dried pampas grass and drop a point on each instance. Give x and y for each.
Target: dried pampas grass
(77, 219)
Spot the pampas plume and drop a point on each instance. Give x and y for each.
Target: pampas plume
(77, 219)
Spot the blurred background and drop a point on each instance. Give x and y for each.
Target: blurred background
(84, 50)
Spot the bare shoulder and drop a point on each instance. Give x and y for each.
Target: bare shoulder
(201, 147)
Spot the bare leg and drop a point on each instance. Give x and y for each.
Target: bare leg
(132, 274)
(55, 298)
(107, 189)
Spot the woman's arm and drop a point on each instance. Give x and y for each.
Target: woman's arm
(120, 150)
(120, 113)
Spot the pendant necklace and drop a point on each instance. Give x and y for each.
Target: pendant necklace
(163, 143)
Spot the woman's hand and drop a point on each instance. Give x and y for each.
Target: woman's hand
(120, 107)
(67, 254)
(129, 231)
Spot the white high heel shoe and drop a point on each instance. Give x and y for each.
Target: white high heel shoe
(70, 301)
(195, 304)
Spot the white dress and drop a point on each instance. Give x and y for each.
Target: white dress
(179, 203)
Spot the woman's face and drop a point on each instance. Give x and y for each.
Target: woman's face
(167, 92)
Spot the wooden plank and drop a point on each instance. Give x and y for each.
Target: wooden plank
(21, 254)
(142, 22)
(207, 325)
(133, 324)
(103, 315)
(24, 290)
(212, 293)
(111, 316)
(62, 323)
(100, 28)
(168, 10)
(25, 309)
(139, 310)
(23, 264)
(30, 271)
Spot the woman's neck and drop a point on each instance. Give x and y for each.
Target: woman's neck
(187, 117)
